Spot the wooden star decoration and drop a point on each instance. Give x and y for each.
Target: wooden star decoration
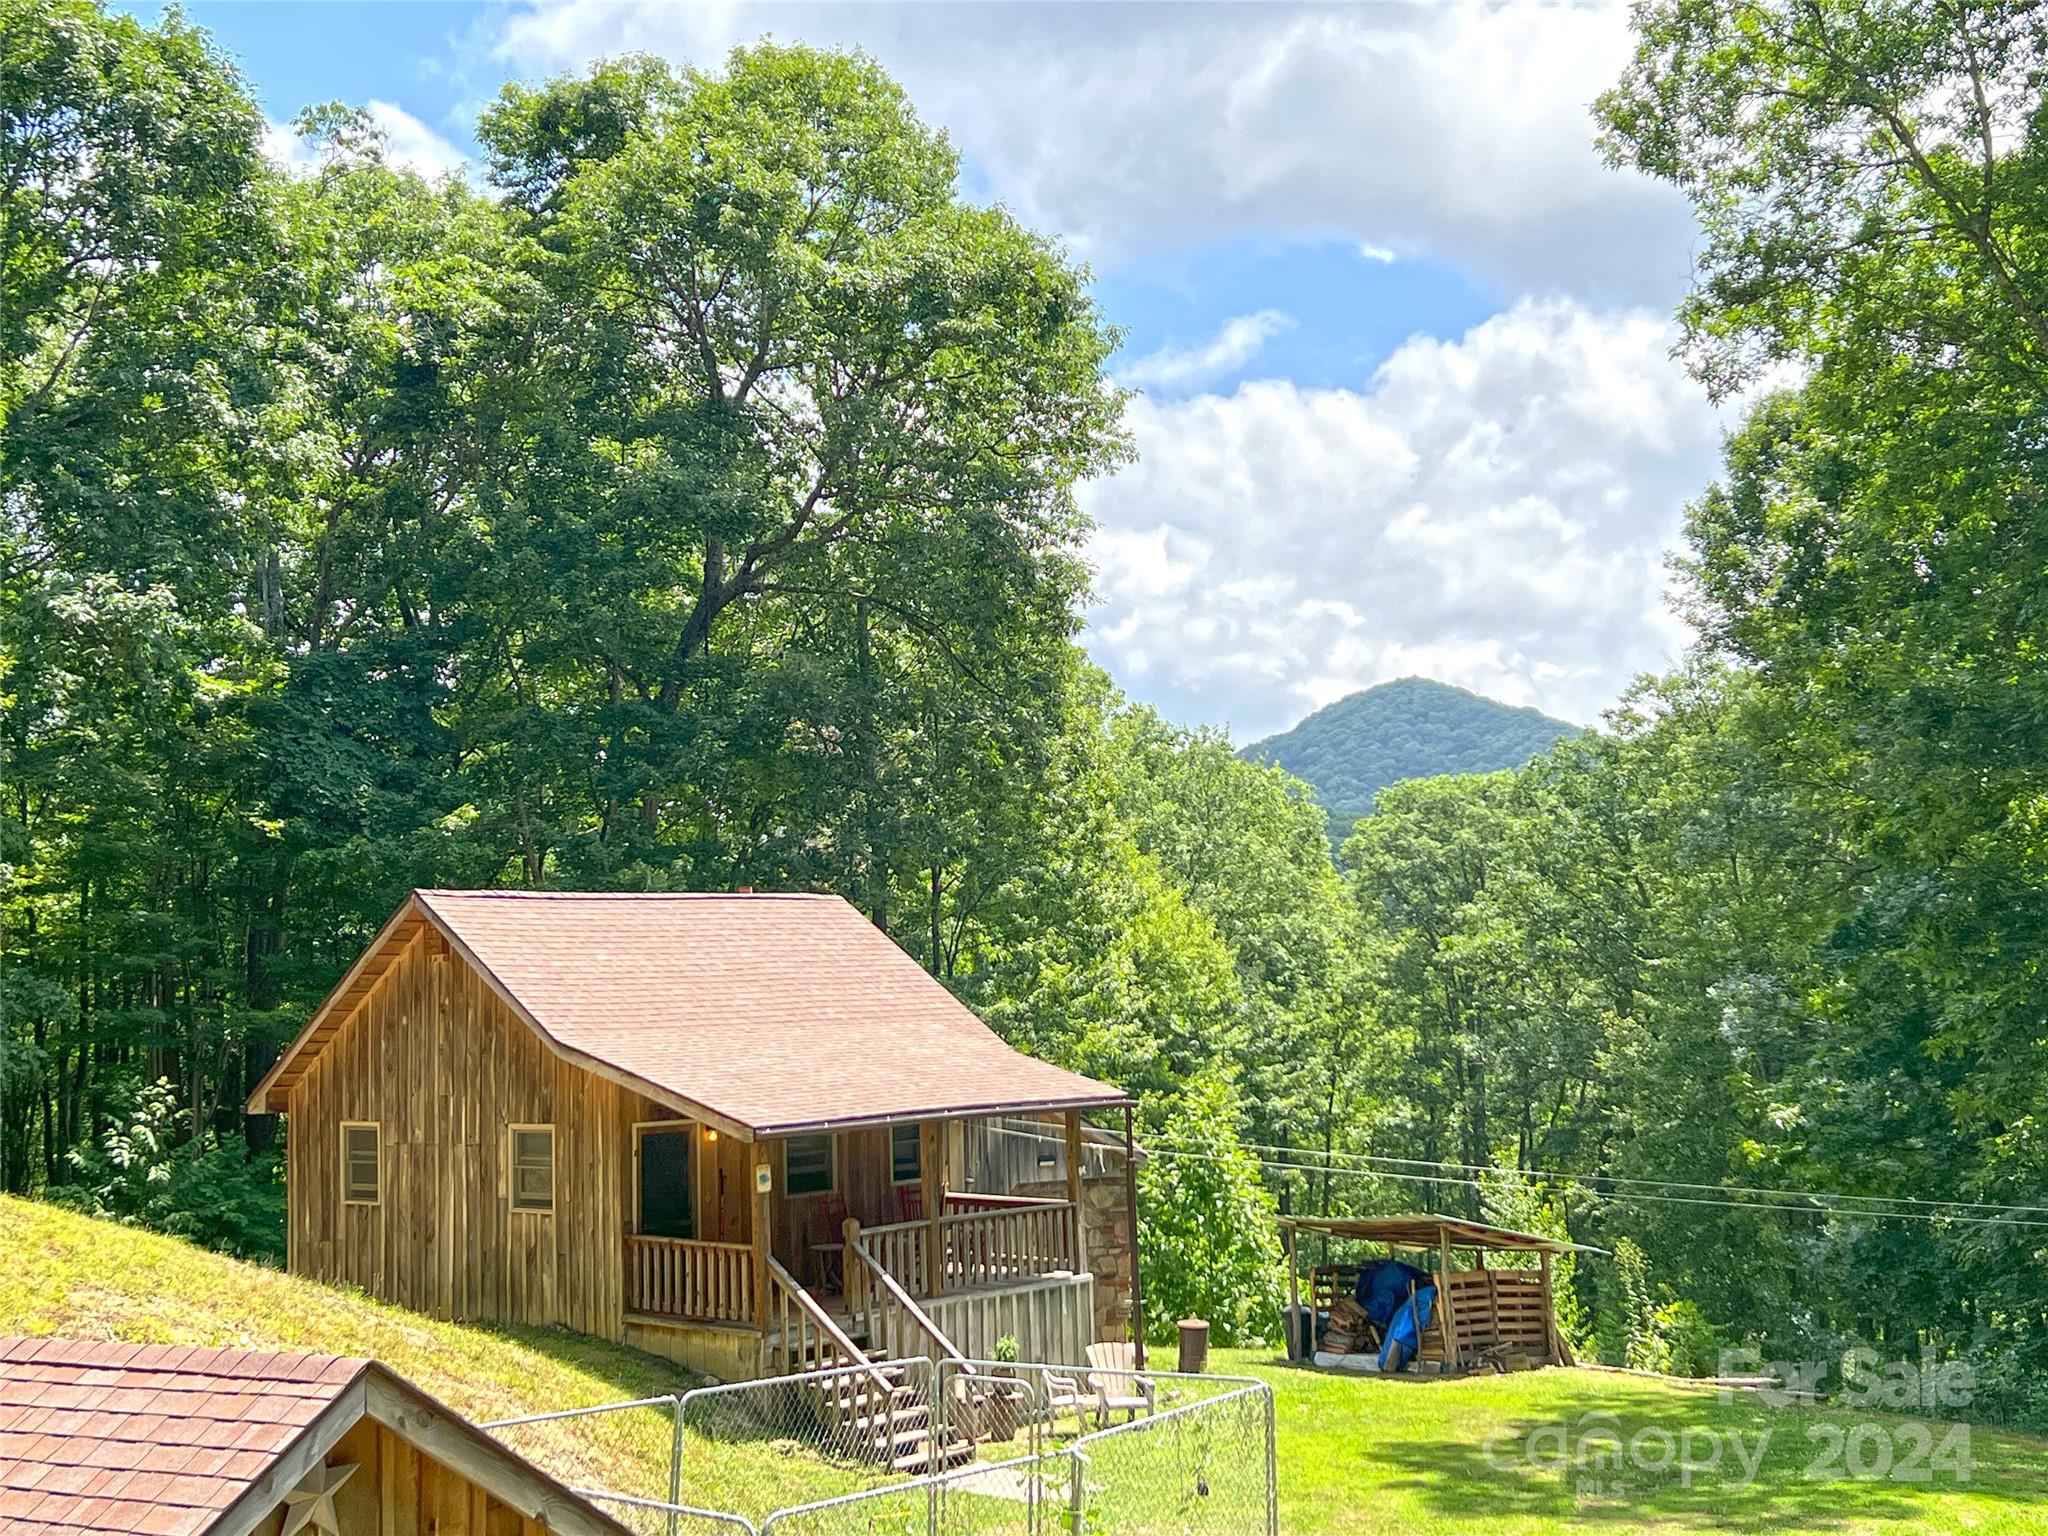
(311, 1504)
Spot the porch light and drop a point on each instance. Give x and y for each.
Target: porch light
(710, 1134)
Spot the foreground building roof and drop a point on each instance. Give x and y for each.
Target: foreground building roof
(764, 1014)
(164, 1440)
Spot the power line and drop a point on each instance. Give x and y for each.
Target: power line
(1610, 1178)
(1769, 1199)
(1613, 1197)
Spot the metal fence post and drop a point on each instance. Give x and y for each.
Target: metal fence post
(675, 1463)
(1272, 1467)
(1077, 1491)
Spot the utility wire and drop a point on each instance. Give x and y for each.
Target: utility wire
(1611, 1178)
(1767, 1198)
(1609, 1196)
(1615, 1178)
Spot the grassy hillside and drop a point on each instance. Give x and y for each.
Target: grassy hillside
(1355, 1455)
(69, 1274)
(1410, 729)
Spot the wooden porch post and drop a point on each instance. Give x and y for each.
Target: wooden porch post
(1078, 1239)
(1131, 1197)
(1294, 1296)
(764, 1215)
(852, 1273)
(1550, 1333)
(1443, 1299)
(931, 1136)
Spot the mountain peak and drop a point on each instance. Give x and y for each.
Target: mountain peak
(1410, 728)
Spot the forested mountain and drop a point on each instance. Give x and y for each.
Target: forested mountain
(1411, 728)
(678, 510)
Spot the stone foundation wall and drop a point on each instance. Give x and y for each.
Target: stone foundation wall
(1106, 1224)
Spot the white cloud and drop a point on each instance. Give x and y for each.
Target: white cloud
(1492, 510)
(411, 143)
(1237, 343)
(407, 142)
(281, 142)
(1457, 131)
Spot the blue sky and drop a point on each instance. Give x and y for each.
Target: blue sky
(1402, 340)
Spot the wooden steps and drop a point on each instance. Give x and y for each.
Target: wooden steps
(871, 1408)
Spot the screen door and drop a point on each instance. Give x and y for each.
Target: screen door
(665, 1182)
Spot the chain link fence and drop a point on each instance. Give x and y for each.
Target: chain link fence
(629, 1451)
(755, 1447)
(918, 1448)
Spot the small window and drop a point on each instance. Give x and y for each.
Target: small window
(809, 1167)
(360, 1168)
(533, 1167)
(906, 1154)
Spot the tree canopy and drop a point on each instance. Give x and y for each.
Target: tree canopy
(693, 503)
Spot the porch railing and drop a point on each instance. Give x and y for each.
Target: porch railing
(991, 1244)
(986, 1240)
(680, 1277)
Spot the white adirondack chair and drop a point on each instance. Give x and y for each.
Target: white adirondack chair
(1113, 1375)
(1063, 1391)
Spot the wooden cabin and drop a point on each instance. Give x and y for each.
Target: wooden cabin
(730, 1129)
(1484, 1315)
(102, 1436)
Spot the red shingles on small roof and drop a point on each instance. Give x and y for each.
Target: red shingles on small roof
(774, 1013)
(156, 1440)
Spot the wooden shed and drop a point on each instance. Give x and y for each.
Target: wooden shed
(1484, 1314)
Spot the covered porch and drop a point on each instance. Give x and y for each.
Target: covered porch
(864, 1241)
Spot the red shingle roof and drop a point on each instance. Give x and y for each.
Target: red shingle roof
(146, 1438)
(772, 1013)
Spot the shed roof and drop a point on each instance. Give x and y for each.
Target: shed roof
(1425, 1229)
(175, 1441)
(764, 1014)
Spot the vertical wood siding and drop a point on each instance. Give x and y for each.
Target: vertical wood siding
(444, 1068)
(398, 1491)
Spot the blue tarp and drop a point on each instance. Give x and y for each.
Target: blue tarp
(1383, 1290)
(1383, 1286)
(1404, 1334)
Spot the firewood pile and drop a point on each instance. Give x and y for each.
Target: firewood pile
(1349, 1331)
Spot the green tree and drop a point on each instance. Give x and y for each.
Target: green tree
(1209, 1247)
(837, 412)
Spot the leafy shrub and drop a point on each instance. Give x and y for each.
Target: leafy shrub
(1207, 1238)
(1690, 1345)
(1671, 1336)
(1627, 1332)
(145, 1172)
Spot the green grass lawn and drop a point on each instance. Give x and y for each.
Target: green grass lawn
(1369, 1455)
(1355, 1454)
